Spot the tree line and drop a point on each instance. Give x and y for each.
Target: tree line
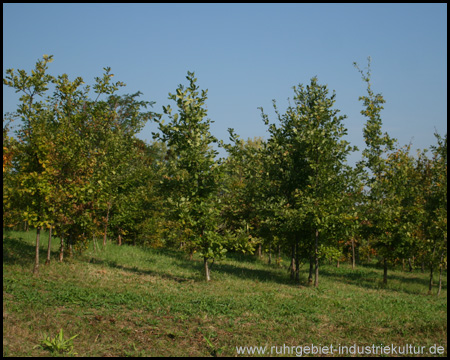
(76, 167)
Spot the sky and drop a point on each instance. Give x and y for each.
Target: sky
(246, 55)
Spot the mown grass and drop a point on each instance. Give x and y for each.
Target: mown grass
(129, 301)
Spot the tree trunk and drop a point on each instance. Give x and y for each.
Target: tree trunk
(431, 269)
(316, 254)
(106, 225)
(337, 264)
(94, 244)
(311, 268)
(49, 246)
(61, 250)
(385, 269)
(292, 262)
(431, 278)
(353, 254)
(70, 253)
(260, 251)
(279, 255)
(297, 262)
(120, 239)
(440, 275)
(205, 260)
(36, 262)
(270, 252)
(410, 265)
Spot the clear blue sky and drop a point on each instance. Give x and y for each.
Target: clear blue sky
(246, 55)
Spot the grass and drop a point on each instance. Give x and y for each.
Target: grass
(129, 301)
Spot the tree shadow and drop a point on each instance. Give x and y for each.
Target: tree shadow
(372, 279)
(139, 271)
(17, 251)
(196, 267)
(261, 275)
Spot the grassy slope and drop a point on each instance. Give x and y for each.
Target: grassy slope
(142, 302)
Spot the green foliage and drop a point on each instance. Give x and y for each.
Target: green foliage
(307, 164)
(76, 165)
(191, 172)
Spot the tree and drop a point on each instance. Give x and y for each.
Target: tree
(9, 154)
(69, 150)
(433, 191)
(377, 146)
(243, 192)
(398, 192)
(33, 148)
(192, 172)
(311, 164)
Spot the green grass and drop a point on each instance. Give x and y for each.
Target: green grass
(129, 301)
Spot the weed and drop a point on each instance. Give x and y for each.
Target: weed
(58, 344)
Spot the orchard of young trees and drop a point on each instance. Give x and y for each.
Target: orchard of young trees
(75, 166)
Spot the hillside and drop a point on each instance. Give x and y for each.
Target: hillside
(131, 301)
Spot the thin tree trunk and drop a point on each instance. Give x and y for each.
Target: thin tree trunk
(49, 246)
(94, 243)
(61, 250)
(431, 269)
(292, 267)
(337, 264)
(311, 269)
(106, 225)
(353, 254)
(205, 260)
(70, 253)
(297, 263)
(270, 252)
(440, 275)
(385, 269)
(410, 265)
(279, 255)
(316, 254)
(120, 239)
(36, 262)
(431, 277)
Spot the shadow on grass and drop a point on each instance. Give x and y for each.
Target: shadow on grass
(371, 278)
(138, 271)
(16, 250)
(196, 268)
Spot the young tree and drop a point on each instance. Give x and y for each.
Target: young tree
(192, 171)
(243, 192)
(433, 191)
(69, 150)
(377, 146)
(312, 163)
(33, 148)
